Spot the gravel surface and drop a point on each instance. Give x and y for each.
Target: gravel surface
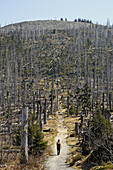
(57, 162)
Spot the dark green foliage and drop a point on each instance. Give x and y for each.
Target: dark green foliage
(100, 129)
(54, 96)
(88, 42)
(17, 141)
(84, 97)
(36, 139)
(61, 19)
(71, 110)
(54, 31)
(98, 138)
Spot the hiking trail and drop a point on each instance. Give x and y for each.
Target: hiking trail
(58, 162)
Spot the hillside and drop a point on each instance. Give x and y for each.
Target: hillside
(43, 63)
(44, 24)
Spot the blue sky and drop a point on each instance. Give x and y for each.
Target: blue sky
(13, 11)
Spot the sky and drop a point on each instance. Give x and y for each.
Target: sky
(14, 11)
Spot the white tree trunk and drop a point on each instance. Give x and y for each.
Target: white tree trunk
(24, 136)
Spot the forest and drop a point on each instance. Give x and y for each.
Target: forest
(47, 65)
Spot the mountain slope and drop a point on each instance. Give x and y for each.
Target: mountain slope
(44, 24)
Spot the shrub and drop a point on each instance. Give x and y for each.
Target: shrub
(35, 139)
(71, 110)
(37, 142)
(98, 138)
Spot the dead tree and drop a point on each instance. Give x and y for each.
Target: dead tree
(24, 136)
(45, 110)
(67, 106)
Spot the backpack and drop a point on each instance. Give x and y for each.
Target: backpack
(58, 145)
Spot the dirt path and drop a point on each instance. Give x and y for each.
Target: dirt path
(58, 162)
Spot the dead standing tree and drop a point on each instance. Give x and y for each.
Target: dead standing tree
(24, 136)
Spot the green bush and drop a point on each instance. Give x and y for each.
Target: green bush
(71, 110)
(98, 138)
(35, 139)
(17, 141)
(37, 142)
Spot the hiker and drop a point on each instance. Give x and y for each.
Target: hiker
(58, 147)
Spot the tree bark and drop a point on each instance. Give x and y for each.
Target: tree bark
(24, 136)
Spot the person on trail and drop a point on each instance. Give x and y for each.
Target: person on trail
(58, 147)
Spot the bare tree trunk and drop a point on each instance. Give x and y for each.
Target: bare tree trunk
(34, 105)
(110, 101)
(38, 112)
(57, 80)
(67, 106)
(97, 87)
(45, 109)
(24, 136)
(40, 117)
(51, 101)
(103, 104)
(52, 98)
(76, 128)
(107, 78)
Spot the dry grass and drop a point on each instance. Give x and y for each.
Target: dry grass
(72, 140)
(107, 167)
(35, 162)
(76, 159)
(49, 136)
